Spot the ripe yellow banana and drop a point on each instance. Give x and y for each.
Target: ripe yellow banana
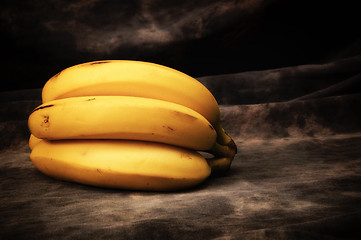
(139, 79)
(122, 117)
(135, 165)
(33, 141)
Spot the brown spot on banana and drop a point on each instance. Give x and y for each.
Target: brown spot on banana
(185, 116)
(169, 128)
(184, 155)
(42, 107)
(100, 62)
(45, 123)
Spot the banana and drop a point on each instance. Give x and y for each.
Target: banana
(139, 79)
(122, 117)
(33, 141)
(134, 165)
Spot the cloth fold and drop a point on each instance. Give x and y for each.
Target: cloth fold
(339, 77)
(296, 176)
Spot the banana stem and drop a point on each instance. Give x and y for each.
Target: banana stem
(223, 153)
(222, 137)
(219, 165)
(219, 150)
(225, 145)
(222, 160)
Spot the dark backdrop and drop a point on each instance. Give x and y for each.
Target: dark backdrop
(40, 38)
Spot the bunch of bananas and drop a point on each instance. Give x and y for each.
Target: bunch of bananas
(128, 124)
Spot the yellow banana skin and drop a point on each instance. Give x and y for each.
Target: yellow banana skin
(33, 141)
(134, 165)
(139, 79)
(122, 117)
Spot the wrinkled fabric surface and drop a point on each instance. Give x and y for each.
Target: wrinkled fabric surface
(297, 174)
(200, 38)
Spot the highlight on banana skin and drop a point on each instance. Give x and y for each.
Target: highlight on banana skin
(129, 125)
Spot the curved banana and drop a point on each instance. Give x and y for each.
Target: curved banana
(33, 141)
(122, 117)
(139, 79)
(123, 164)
